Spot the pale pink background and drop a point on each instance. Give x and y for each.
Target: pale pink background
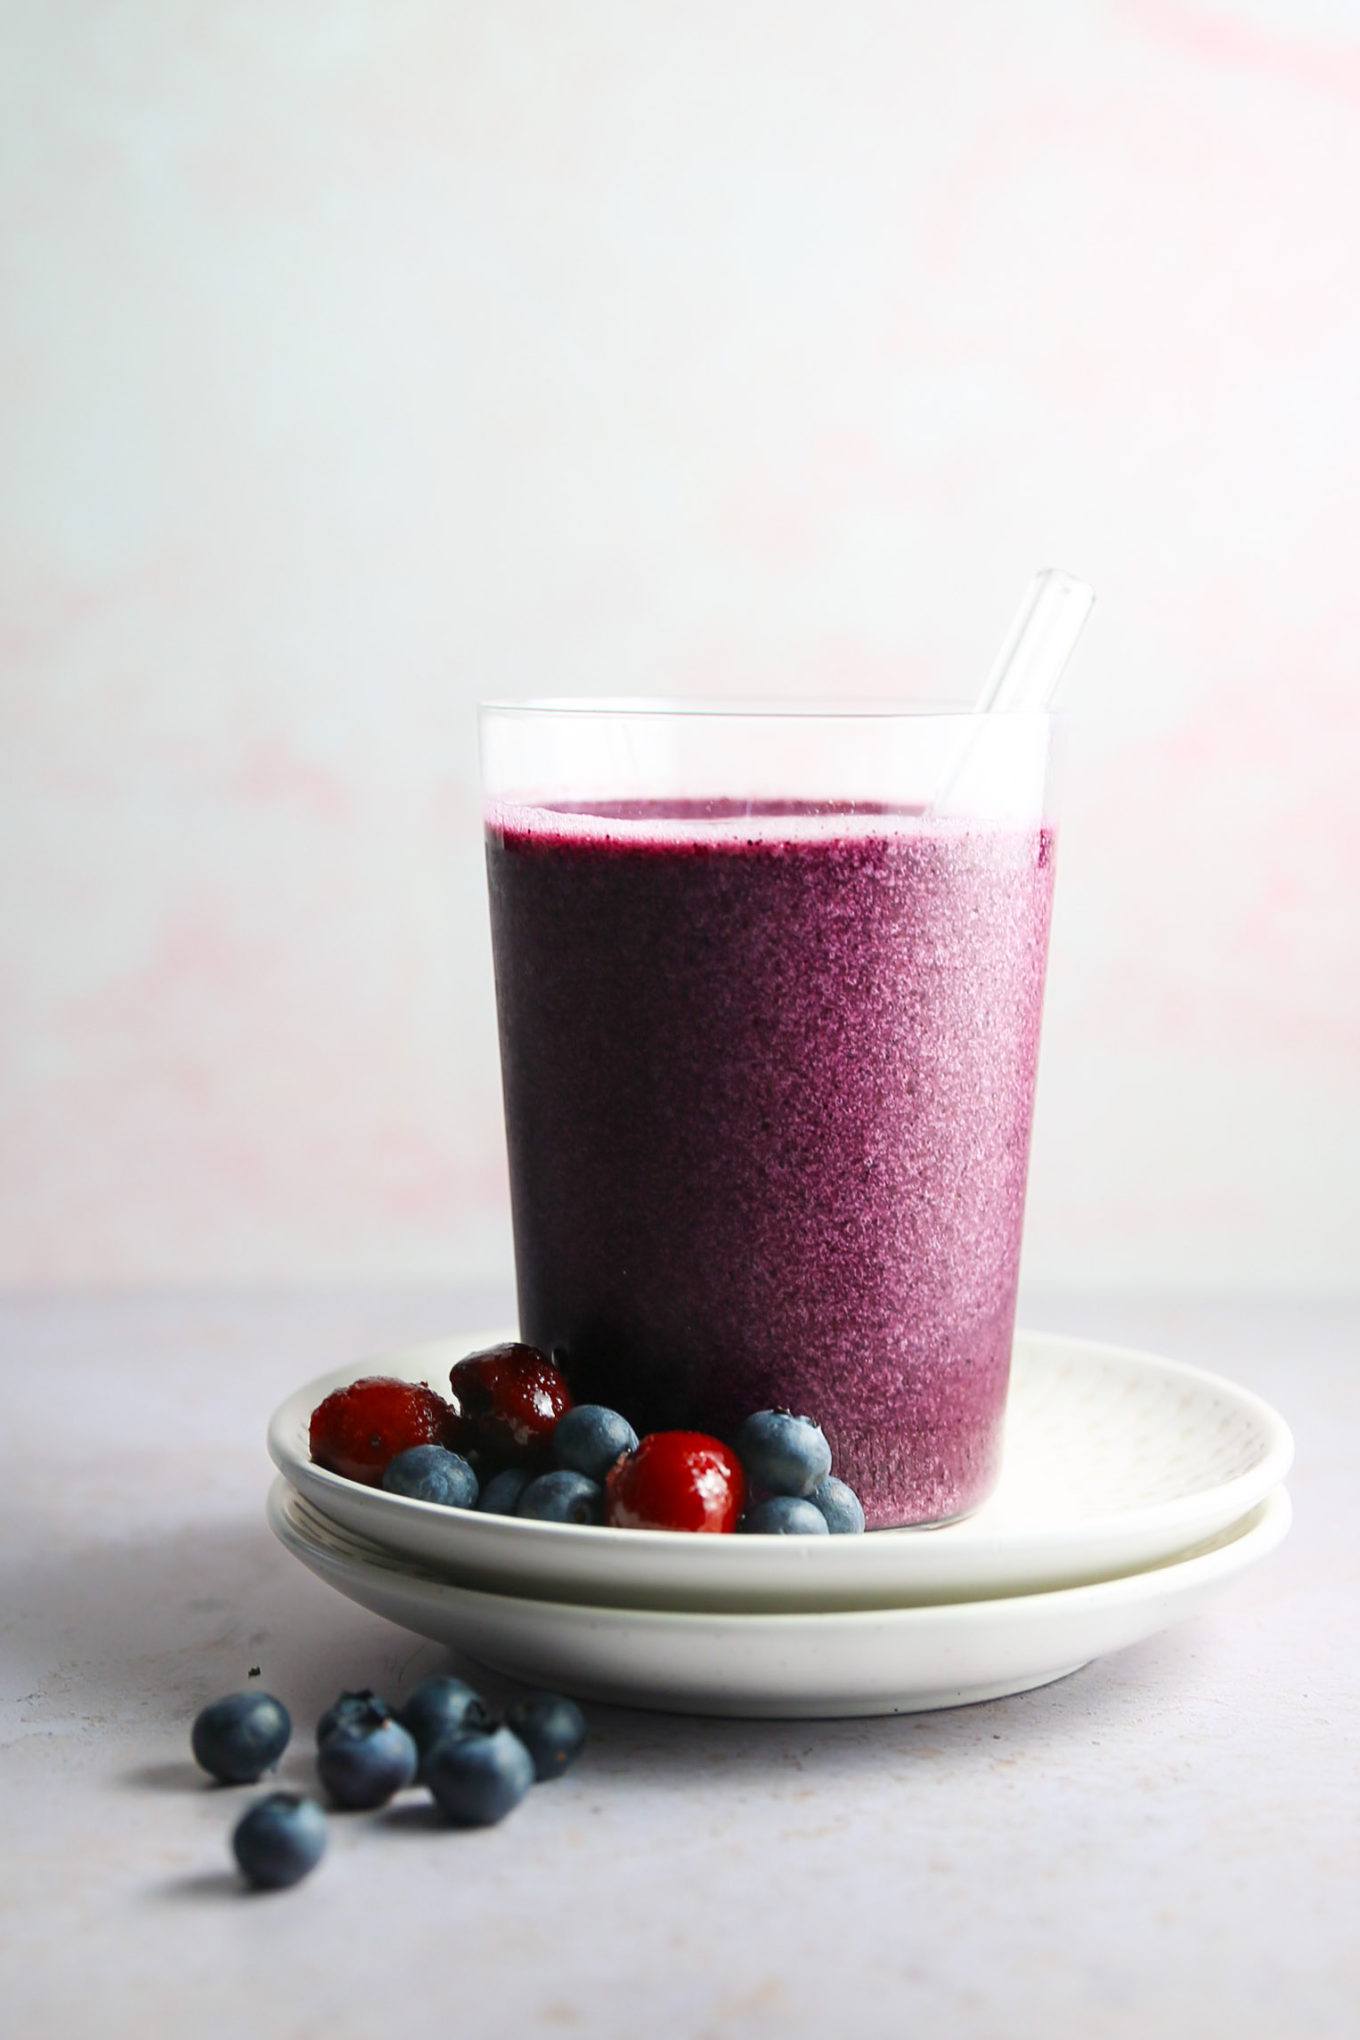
(362, 357)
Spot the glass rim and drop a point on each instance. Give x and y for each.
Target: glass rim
(774, 708)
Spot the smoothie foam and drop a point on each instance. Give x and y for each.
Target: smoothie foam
(768, 1083)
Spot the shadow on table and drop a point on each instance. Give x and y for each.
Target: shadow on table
(679, 1751)
(212, 1885)
(176, 1778)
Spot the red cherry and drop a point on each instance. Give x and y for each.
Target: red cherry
(512, 1397)
(358, 1429)
(677, 1480)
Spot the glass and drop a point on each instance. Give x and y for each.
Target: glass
(768, 982)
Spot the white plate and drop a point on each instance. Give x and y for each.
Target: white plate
(1114, 1460)
(865, 1661)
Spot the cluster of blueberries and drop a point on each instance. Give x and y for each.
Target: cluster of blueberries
(584, 1444)
(785, 1455)
(443, 1737)
(790, 1458)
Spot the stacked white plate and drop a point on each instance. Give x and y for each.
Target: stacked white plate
(1133, 1488)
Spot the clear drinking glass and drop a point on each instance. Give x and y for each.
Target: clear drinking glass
(769, 982)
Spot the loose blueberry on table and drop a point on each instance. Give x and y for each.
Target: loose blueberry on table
(362, 1711)
(477, 1778)
(441, 1706)
(552, 1729)
(364, 1766)
(238, 1738)
(279, 1839)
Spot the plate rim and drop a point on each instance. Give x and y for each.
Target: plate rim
(1236, 1495)
(1260, 1531)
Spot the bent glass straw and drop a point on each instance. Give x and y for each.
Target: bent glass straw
(1030, 663)
(1041, 641)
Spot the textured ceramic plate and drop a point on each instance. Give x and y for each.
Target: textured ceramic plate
(1114, 1460)
(862, 1661)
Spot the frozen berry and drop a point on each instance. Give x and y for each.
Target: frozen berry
(363, 1711)
(500, 1496)
(240, 1737)
(785, 1516)
(441, 1706)
(552, 1729)
(841, 1506)
(279, 1839)
(359, 1429)
(512, 1397)
(590, 1439)
(363, 1767)
(676, 1480)
(562, 1497)
(788, 1455)
(477, 1779)
(431, 1473)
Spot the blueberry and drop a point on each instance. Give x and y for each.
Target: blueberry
(502, 1491)
(431, 1473)
(279, 1839)
(362, 1711)
(788, 1455)
(477, 1779)
(590, 1438)
(562, 1497)
(841, 1506)
(364, 1767)
(239, 1738)
(785, 1516)
(552, 1729)
(441, 1706)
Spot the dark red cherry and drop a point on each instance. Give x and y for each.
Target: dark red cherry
(358, 1429)
(511, 1397)
(677, 1480)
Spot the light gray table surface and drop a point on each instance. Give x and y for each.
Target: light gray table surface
(1164, 1844)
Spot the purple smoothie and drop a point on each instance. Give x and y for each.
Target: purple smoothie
(768, 1086)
